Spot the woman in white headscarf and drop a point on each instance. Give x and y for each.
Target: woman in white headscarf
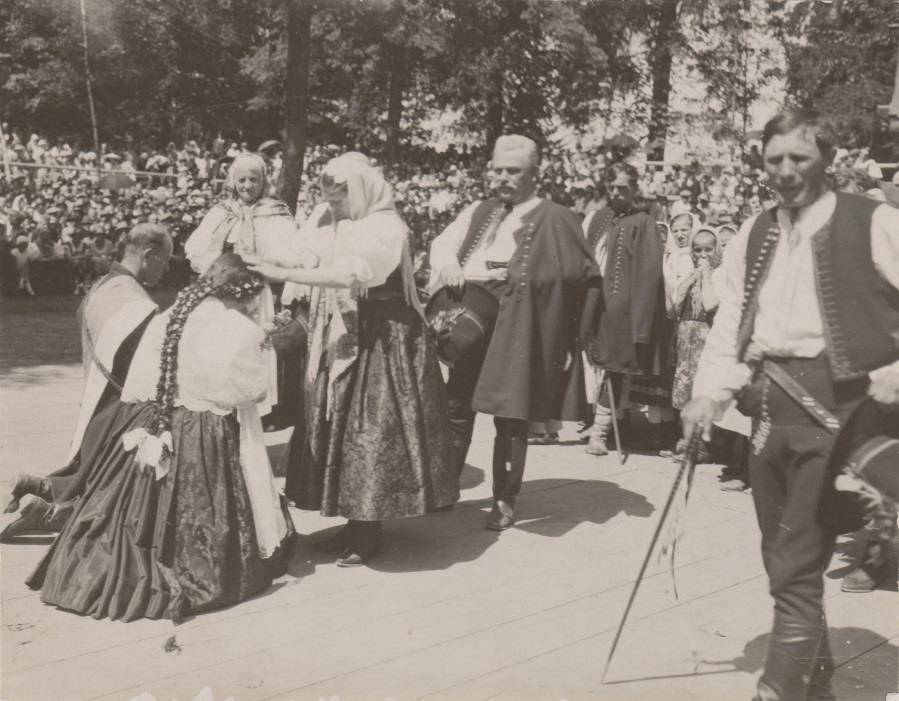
(677, 264)
(377, 442)
(250, 224)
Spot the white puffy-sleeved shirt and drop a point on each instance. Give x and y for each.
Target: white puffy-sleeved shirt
(221, 364)
(370, 248)
(788, 321)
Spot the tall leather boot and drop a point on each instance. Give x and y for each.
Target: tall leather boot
(500, 459)
(791, 661)
(502, 516)
(819, 688)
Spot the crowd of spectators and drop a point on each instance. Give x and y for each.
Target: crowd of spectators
(63, 214)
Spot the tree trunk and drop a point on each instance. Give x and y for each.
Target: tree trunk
(395, 87)
(495, 108)
(296, 103)
(660, 69)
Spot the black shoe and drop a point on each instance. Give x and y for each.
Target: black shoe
(32, 518)
(502, 515)
(365, 543)
(23, 484)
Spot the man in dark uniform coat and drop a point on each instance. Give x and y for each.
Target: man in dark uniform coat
(809, 314)
(629, 252)
(530, 253)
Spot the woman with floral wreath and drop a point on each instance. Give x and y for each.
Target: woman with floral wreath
(181, 513)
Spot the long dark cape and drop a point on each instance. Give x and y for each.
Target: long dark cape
(523, 376)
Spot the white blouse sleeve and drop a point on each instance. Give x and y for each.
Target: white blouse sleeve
(370, 248)
(221, 360)
(276, 238)
(206, 242)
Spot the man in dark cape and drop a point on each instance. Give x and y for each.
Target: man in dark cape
(113, 317)
(530, 254)
(626, 339)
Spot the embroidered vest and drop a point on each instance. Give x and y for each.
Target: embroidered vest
(859, 309)
(483, 214)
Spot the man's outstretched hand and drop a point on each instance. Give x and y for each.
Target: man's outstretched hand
(699, 415)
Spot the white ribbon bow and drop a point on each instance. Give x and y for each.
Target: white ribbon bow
(152, 451)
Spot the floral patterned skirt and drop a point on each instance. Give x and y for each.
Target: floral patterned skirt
(691, 335)
(139, 547)
(385, 449)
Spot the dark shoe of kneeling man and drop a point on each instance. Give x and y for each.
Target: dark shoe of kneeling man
(32, 518)
(874, 571)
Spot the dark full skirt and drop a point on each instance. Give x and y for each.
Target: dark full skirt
(139, 547)
(385, 451)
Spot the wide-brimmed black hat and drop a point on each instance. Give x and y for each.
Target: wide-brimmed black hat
(867, 448)
(463, 322)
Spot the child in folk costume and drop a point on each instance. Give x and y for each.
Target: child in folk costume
(376, 442)
(181, 513)
(250, 224)
(678, 260)
(694, 304)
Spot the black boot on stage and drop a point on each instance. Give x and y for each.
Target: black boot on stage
(502, 516)
(365, 542)
(792, 662)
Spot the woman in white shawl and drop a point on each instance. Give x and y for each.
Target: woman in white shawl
(248, 223)
(377, 441)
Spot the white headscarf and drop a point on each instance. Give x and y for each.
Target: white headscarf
(678, 261)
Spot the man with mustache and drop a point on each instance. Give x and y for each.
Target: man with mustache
(530, 254)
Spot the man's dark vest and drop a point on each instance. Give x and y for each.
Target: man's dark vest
(859, 309)
(483, 214)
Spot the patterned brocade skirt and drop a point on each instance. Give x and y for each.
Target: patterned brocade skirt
(691, 335)
(140, 547)
(385, 450)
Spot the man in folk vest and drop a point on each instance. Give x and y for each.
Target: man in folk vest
(810, 316)
(113, 317)
(626, 338)
(529, 252)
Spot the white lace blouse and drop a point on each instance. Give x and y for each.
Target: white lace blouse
(221, 364)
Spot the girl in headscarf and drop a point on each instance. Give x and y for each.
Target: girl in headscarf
(693, 311)
(377, 441)
(180, 513)
(248, 223)
(677, 263)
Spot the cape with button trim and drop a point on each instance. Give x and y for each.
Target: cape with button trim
(632, 323)
(524, 374)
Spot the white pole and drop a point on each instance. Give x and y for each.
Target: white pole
(88, 81)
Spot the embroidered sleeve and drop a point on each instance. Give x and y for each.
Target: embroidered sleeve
(205, 244)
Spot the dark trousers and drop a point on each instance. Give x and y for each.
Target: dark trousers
(789, 479)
